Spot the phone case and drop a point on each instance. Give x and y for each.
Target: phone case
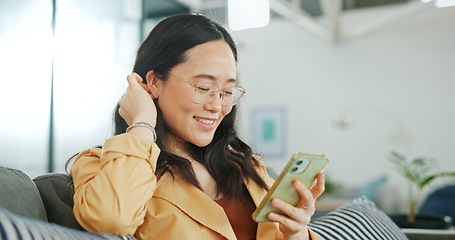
(301, 166)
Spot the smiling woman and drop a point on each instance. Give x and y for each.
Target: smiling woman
(180, 164)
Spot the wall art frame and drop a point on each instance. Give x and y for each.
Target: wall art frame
(268, 131)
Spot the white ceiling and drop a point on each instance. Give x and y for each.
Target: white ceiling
(331, 20)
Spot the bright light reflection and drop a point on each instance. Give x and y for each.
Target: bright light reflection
(444, 3)
(88, 78)
(25, 74)
(248, 14)
(25, 77)
(84, 57)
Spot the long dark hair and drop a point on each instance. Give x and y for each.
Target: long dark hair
(227, 158)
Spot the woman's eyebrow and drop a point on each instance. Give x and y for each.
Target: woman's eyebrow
(213, 78)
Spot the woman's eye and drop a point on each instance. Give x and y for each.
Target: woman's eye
(227, 92)
(202, 89)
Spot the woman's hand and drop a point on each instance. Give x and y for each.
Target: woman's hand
(137, 104)
(294, 223)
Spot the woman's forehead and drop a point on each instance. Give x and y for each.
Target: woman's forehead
(211, 60)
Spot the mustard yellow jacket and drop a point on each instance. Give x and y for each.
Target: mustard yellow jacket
(116, 191)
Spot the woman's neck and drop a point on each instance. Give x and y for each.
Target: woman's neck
(179, 147)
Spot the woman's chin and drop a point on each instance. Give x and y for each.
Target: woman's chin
(202, 142)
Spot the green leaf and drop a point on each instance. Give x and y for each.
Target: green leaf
(430, 178)
(419, 162)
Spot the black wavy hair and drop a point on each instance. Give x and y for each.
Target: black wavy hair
(227, 158)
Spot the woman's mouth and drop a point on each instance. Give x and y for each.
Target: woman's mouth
(205, 120)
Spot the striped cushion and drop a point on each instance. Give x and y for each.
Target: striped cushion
(357, 219)
(15, 227)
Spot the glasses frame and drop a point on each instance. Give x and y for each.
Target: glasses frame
(213, 93)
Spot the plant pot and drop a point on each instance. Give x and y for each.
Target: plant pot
(425, 221)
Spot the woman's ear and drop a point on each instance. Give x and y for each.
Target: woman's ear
(154, 84)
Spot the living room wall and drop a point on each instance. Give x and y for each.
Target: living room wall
(396, 85)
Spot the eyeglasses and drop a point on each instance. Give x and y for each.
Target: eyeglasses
(204, 92)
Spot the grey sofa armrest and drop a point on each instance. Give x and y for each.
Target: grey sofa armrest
(19, 194)
(57, 191)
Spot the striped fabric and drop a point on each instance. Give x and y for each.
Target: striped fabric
(358, 219)
(15, 227)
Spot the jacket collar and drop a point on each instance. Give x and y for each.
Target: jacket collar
(207, 212)
(194, 203)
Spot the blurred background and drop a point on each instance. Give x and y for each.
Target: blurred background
(352, 79)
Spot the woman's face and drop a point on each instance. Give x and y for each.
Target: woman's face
(188, 120)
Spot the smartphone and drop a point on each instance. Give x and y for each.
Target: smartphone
(302, 166)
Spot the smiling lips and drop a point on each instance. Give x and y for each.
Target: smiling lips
(205, 120)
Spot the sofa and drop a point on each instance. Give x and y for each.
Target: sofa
(42, 209)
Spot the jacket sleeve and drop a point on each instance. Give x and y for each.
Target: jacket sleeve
(113, 184)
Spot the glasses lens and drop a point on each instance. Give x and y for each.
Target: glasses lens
(232, 95)
(205, 92)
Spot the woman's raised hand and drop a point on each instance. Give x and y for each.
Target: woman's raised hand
(294, 223)
(137, 104)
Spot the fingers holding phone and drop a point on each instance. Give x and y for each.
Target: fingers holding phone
(306, 203)
(294, 219)
(294, 185)
(315, 191)
(319, 187)
(290, 200)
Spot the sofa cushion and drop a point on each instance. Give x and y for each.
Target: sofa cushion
(15, 227)
(357, 219)
(440, 202)
(57, 191)
(19, 194)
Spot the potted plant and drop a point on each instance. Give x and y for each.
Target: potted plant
(420, 172)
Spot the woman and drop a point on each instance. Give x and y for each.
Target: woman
(192, 178)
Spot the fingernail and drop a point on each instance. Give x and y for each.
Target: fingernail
(276, 202)
(272, 216)
(298, 184)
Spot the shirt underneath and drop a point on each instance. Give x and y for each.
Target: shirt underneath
(239, 215)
